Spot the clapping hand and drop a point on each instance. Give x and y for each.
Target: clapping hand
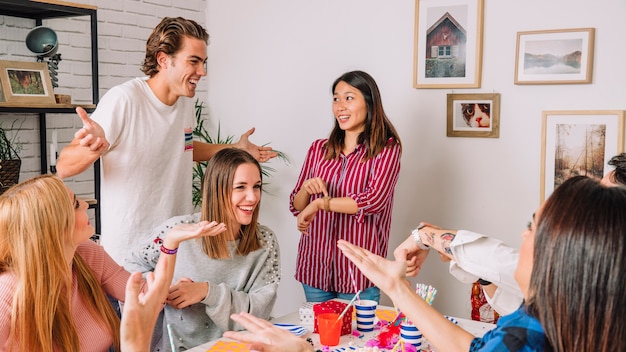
(265, 337)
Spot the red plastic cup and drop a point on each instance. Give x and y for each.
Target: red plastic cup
(329, 328)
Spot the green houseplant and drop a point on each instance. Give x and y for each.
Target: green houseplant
(201, 133)
(10, 162)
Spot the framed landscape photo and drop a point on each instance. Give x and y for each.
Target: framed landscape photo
(562, 56)
(448, 43)
(26, 83)
(473, 115)
(578, 143)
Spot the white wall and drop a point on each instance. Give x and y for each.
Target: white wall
(271, 64)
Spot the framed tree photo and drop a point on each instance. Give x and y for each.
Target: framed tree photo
(562, 56)
(473, 115)
(448, 43)
(578, 143)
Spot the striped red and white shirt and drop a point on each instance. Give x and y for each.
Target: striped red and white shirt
(371, 184)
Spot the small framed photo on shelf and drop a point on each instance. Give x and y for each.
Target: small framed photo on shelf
(473, 115)
(578, 143)
(448, 43)
(26, 83)
(563, 56)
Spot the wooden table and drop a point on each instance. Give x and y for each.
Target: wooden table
(346, 343)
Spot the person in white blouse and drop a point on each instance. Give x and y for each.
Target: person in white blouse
(465, 250)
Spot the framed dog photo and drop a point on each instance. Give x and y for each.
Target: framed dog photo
(563, 56)
(26, 83)
(448, 43)
(473, 115)
(578, 143)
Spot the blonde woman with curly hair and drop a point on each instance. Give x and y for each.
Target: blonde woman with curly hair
(54, 280)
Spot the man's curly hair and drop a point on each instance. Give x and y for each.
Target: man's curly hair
(167, 37)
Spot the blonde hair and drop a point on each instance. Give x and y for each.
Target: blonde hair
(36, 224)
(217, 205)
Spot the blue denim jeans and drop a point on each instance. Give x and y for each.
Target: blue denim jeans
(316, 295)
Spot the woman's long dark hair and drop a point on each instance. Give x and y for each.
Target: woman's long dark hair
(378, 128)
(577, 286)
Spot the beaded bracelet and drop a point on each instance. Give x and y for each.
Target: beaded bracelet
(168, 251)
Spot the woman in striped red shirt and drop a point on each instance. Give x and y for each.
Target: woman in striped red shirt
(345, 191)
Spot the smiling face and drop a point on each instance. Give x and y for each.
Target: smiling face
(246, 192)
(181, 71)
(349, 108)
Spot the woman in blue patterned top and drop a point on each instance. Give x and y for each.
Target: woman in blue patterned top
(571, 270)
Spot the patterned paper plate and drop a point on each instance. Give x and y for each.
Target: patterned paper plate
(452, 319)
(294, 329)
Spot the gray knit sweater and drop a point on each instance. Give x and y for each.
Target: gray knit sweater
(238, 284)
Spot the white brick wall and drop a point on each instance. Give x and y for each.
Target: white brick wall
(123, 27)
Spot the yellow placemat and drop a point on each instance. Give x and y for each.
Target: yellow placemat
(229, 346)
(382, 314)
(386, 314)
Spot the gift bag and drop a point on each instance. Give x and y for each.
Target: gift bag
(481, 310)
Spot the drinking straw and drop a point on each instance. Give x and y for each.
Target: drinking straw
(427, 292)
(348, 306)
(400, 343)
(171, 335)
(353, 282)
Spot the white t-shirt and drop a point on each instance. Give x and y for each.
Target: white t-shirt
(478, 256)
(146, 176)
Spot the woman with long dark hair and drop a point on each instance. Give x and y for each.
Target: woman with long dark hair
(345, 191)
(571, 271)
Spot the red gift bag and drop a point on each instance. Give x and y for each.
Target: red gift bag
(334, 307)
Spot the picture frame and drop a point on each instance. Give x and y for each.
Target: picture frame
(578, 143)
(26, 83)
(561, 56)
(448, 43)
(473, 115)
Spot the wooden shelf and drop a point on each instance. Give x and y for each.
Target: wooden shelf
(39, 10)
(46, 108)
(44, 9)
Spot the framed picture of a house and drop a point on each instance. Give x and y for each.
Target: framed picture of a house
(563, 56)
(448, 43)
(578, 142)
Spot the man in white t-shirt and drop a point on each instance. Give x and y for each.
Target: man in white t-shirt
(142, 132)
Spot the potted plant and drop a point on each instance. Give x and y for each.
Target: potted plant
(203, 135)
(10, 162)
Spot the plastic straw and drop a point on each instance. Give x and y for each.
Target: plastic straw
(427, 292)
(400, 344)
(348, 306)
(354, 282)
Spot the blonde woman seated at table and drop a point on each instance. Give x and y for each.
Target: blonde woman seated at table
(53, 279)
(571, 271)
(238, 270)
